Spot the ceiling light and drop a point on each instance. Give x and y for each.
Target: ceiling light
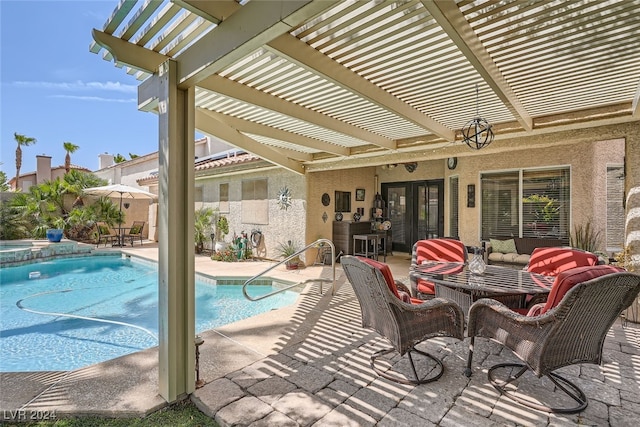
(477, 133)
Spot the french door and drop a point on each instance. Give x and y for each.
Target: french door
(416, 211)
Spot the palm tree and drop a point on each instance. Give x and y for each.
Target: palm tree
(70, 148)
(119, 158)
(21, 140)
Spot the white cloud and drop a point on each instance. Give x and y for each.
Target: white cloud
(79, 85)
(96, 98)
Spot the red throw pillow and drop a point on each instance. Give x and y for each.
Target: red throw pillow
(440, 250)
(568, 279)
(553, 261)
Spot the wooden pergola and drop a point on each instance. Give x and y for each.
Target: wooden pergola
(304, 84)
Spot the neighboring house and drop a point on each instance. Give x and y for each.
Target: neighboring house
(246, 189)
(44, 172)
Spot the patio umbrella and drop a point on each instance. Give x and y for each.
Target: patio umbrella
(123, 191)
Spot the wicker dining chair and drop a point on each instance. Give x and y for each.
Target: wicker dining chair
(403, 324)
(583, 305)
(442, 249)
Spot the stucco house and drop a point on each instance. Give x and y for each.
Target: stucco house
(44, 172)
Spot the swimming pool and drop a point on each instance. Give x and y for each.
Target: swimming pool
(70, 313)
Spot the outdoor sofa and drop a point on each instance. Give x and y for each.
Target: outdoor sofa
(515, 252)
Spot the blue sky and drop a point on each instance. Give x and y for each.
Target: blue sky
(55, 90)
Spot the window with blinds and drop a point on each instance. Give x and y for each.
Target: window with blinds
(615, 208)
(255, 202)
(546, 203)
(500, 205)
(526, 203)
(224, 197)
(454, 231)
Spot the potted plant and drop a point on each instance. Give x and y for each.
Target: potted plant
(56, 233)
(222, 229)
(203, 222)
(287, 250)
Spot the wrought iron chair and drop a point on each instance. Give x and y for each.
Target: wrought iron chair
(583, 304)
(444, 249)
(403, 324)
(105, 234)
(135, 232)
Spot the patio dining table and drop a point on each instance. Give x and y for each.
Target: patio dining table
(121, 235)
(454, 281)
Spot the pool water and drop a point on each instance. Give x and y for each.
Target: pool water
(76, 312)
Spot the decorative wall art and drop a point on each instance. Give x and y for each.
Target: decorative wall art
(359, 194)
(343, 201)
(411, 167)
(326, 199)
(284, 198)
(471, 196)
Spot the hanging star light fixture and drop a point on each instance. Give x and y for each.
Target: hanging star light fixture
(477, 133)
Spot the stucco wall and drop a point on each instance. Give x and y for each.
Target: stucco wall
(587, 160)
(329, 182)
(282, 224)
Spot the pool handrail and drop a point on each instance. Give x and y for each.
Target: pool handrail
(316, 243)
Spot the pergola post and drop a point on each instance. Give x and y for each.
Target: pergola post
(176, 275)
(632, 196)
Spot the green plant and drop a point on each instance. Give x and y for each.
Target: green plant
(202, 223)
(287, 249)
(222, 227)
(585, 237)
(49, 205)
(546, 210)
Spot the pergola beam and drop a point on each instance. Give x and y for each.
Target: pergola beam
(252, 26)
(212, 126)
(247, 126)
(128, 53)
(309, 58)
(453, 23)
(214, 11)
(249, 95)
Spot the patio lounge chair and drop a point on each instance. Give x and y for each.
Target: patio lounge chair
(135, 232)
(583, 305)
(403, 324)
(450, 250)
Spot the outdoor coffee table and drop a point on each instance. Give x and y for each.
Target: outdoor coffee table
(455, 282)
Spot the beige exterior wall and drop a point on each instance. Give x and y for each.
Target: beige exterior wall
(282, 225)
(329, 182)
(588, 163)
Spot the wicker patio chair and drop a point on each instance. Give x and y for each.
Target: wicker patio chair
(403, 324)
(553, 261)
(583, 305)
(443, 249)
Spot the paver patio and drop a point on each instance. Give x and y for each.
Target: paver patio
(308, 364)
